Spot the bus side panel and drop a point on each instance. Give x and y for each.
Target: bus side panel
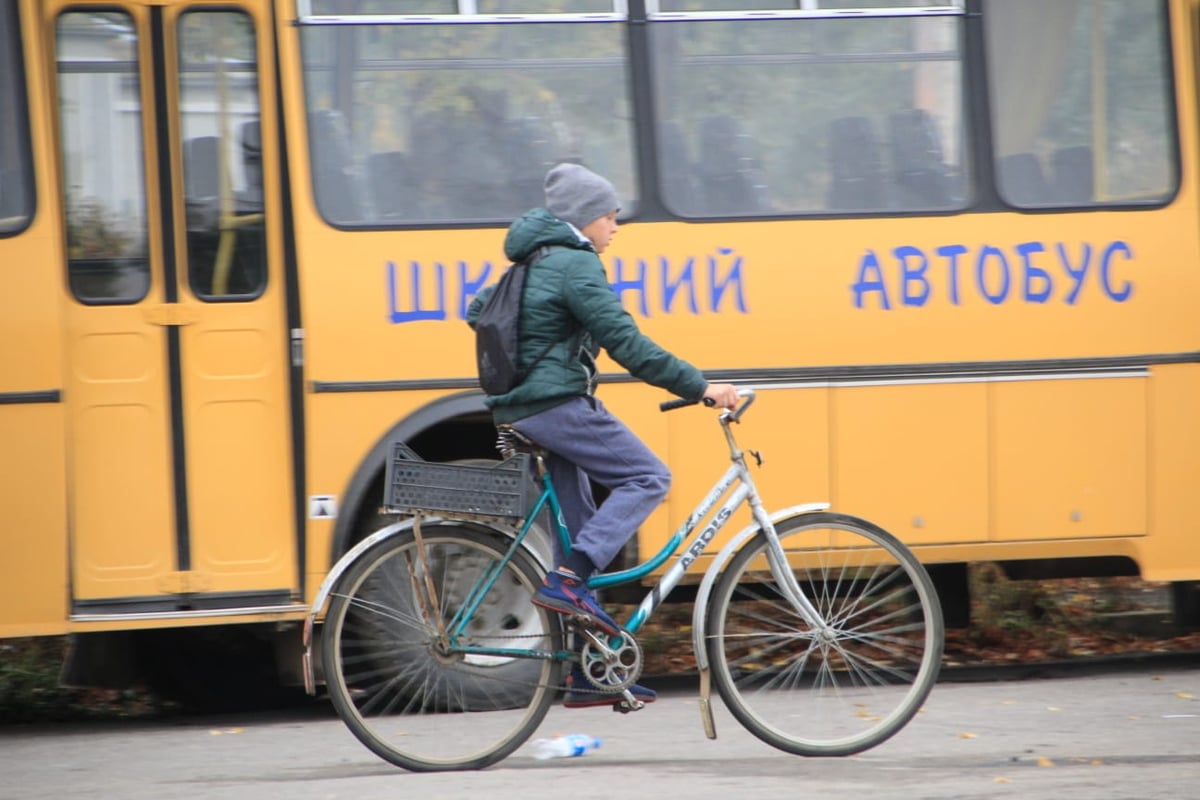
(33, 590)
(33, 567)
(1070, 458)
(913, 459)
(1174, 550)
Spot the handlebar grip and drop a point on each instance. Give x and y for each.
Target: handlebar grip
(679, 402)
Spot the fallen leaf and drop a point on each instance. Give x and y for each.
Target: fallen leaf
(1044, 762)
(1001, 779)
(965, 735)
(1185, 695)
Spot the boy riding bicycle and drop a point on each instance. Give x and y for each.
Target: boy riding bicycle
(570, 308)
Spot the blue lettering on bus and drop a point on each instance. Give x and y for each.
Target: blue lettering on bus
(1038, 285)
(732, 277)
(1001, 280)
(420, 293)
(471, 286)
(635, 285)
(913, 266)
(1110, 252)
(672, 286)
(1027, 272)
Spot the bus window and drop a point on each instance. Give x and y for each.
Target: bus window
(1057, 72)
(16, 191)
(101, 123)
(416, 121)
(766, 111)
(222, 161)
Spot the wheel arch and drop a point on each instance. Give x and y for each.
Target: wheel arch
(426, 431)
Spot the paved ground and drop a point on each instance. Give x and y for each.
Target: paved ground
(1120, 735)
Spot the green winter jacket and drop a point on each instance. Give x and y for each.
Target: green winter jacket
(568, 301)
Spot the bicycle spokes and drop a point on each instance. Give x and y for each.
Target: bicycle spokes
(849, 678)
(399, 673)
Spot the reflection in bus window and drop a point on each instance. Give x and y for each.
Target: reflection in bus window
(222, 155)
(428, 123)
(101, 125)
(16, 193)
(1057, 71)
(809, 115)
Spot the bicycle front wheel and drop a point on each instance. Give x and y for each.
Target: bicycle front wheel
(414, 691)
(848, 680)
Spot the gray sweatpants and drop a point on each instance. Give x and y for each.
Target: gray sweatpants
(585, 441)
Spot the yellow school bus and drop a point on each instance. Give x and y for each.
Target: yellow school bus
(954, 243)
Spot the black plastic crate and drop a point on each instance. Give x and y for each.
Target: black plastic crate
(414, 485)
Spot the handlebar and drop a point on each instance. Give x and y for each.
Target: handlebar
(733, 415)
(679, 402)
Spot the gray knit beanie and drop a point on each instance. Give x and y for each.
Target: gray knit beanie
(579, 196)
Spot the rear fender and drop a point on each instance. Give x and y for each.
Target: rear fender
(343, 564)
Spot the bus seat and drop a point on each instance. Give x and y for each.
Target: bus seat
(920, 172)
(336, 190)
(676, 169)
(1072, 169)
(393, 185)
(729, 177)
(252, 162)
(1021, 180)
(856, 167)
(201, 182)
(457, 162)
(201, 167)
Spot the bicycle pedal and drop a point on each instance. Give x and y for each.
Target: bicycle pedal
(624, 707)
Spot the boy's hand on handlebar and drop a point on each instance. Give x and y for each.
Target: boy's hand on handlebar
(722, 395)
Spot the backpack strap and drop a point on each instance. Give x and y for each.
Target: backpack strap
(534, 258)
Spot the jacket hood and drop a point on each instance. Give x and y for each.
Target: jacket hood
(539, 228)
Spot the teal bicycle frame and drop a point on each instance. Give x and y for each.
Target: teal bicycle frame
(737, 473)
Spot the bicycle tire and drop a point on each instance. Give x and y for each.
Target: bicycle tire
(844, 689)
(415, 704)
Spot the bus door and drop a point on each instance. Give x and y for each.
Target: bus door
(179, 436)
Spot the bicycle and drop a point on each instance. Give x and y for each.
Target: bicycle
(821, 631)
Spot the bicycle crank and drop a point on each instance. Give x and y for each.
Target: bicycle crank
(612, 664)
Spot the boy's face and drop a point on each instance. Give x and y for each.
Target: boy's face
(600, 231)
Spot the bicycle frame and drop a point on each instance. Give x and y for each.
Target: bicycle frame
(737, 477)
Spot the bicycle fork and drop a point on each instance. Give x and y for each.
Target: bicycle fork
(780, 570)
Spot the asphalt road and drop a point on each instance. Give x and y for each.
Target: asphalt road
(1113, 736)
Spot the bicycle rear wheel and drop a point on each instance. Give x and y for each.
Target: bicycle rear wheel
(412, 695)
(843, 687)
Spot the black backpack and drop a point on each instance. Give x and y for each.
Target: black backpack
(496, 330)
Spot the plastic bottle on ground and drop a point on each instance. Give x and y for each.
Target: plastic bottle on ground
(569, 746)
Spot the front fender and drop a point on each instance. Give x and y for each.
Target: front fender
(700, 609)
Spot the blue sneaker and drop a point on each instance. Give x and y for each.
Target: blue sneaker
(564, 592)
(581, 694)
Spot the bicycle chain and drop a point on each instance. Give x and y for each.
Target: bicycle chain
(593, 689)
